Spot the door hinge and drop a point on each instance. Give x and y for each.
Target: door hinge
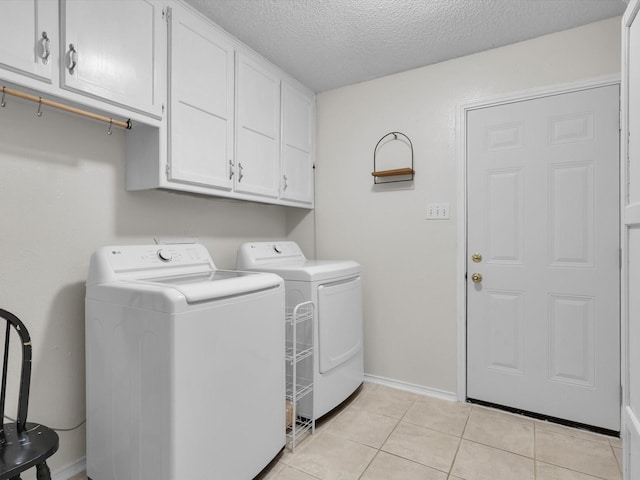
(621, 395)
(619, 120)
(620, 257)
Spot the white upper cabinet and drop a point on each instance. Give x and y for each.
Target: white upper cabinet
(28, 36)
(298, 127)
(258, 127)
(201, 112)
(236, 126)
(110, 50)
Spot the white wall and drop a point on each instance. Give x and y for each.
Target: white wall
(61, 197)
(409, 263)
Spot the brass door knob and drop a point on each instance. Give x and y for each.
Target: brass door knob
(476, 277)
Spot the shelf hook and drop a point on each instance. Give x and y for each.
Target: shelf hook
(109, 132)
(39, 112)
(2, 102)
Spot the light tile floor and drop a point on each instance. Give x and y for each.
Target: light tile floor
(382, 433)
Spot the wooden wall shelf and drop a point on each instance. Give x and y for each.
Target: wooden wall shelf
(388, 175)
(394, 173)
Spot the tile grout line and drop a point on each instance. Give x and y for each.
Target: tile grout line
(573, 437)
(616, 459)
(368, 465)
(378, 449)
(453, 461)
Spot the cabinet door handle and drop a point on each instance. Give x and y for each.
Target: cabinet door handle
(284, 187)
(240, 174)
(230, 169)
(46, 50)
(73, 59)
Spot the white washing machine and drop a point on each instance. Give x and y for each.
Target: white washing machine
(335, 287)
(185, 377)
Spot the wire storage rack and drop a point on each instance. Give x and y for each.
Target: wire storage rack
(299, 371)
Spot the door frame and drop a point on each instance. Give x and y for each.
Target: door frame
(630, 423)
(461, 155)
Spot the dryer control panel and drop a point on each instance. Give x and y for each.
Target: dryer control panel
(256, 254)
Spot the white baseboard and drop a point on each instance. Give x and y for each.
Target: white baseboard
(411, 387)
(70, 471)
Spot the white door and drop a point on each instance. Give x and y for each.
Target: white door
(112, 50)
(631, 241)
(296, 183)
(258, 127)
(543, 322)
(201, 102)
(28, 35)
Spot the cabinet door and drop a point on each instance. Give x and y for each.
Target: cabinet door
(28, 33)
(201, 102)
(298, 128)
(258, 128)
(111, 52)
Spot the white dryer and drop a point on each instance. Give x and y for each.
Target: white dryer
(184, 369)
(335, 287)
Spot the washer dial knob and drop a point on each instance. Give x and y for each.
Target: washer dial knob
(164, 255)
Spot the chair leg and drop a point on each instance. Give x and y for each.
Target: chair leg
(43, 472)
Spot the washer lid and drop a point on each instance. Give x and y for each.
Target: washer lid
(212, 285)
(180, 293)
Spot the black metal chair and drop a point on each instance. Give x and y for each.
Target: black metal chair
(23, 445)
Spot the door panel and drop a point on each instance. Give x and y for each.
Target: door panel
(28, 35)
(339, 337)
(543, 191)
(201, 102)
(572, 215)
(116, 52)
(297, 145)
(504, 335)
(258, 128)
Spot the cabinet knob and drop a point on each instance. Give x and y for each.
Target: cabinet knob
(73, 59)
(46, 50)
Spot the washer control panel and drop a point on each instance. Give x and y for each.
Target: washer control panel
(149, 257)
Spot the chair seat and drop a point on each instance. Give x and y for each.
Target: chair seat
(19, 452)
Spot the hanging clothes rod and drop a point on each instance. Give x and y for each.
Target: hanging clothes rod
(127, 125)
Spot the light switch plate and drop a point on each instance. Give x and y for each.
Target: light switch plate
(438, 211)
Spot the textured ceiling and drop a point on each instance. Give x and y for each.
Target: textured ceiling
(331, 43)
